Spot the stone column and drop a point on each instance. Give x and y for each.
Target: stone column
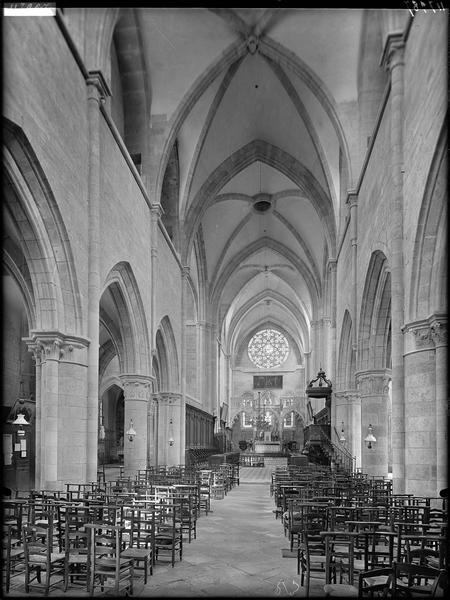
(97, 92)
(151, 429)
(172, 418)
(61, 409)
(393, 60)
(332, 266)
(36, 352)
(308, 375)
(420, 409)
(353, 204)
(439, 337)
(155, 215)
(316, 351)
(373, 390)
(137, 391)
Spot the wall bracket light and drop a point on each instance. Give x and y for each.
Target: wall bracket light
(342, 436)
(370, 438)
(131, 432)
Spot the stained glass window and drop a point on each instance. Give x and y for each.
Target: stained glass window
(268, 348)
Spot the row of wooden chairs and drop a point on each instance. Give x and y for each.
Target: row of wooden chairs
(52, 533)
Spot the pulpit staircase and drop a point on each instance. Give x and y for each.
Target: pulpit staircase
(322, 450)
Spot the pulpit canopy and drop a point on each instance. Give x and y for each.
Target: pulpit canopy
(320, 387)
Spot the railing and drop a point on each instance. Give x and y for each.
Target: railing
(251, 460)
(320, 435)
(341, 454)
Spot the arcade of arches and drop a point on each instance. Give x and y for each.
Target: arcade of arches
(204, 207)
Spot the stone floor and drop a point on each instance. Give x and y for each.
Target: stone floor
(237, 553)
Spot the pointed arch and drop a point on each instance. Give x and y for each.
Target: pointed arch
(40, 236)
(375, 312)
(122, 312)
(133, 85)
(313, 283)
(262, 151)
(429, 269)
(347, 356)
(167, 356)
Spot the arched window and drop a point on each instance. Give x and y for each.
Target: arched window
(268, 348)
(246, 420)
(289, 420)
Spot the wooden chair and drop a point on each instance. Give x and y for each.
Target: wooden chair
(311, 559)
(42, 513)
(141, 540)
(13, 512)
(76, 564)
(107, 569)
(375, 583)
(340, 558)
(410, 580)
(188, 516)
(168, 534)
(205, 498)
(426, 550)
(39, 556)
(12, 554)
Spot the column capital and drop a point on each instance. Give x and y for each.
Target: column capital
(167, 398)
(393, 51)
(438, 332)
(136, 387)
(156, 210)
(352, 198)
(373, 381)
(54, 345)
(417, 336)
(332, 264)
(96, 81)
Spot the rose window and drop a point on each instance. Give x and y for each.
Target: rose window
(268, 348)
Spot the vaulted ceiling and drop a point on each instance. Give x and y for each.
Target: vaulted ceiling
(262, 105)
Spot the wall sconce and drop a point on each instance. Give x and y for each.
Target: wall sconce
(370, 438)
(342, 436)
(131, 431)
(101, 432)
(171, 440)
(20, 421)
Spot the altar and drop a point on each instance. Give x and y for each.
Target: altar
(267, 447)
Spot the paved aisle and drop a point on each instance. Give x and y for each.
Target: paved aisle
(237, 553)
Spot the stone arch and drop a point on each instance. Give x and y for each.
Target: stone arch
(278, 57)
(127, 322)
(191, 338)
(372, 78)
(170, 195)
(381, 326)
(297, 327)
(166, 351)
(311, 280)
(156, 372)
(39, 236)
(259, 150)
(244, 338)
(112, 418)
(429, 269)
(347, 355)
(374, 310)
(99, 26)
(131, 101)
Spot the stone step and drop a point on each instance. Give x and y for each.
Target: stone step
(275, 461)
